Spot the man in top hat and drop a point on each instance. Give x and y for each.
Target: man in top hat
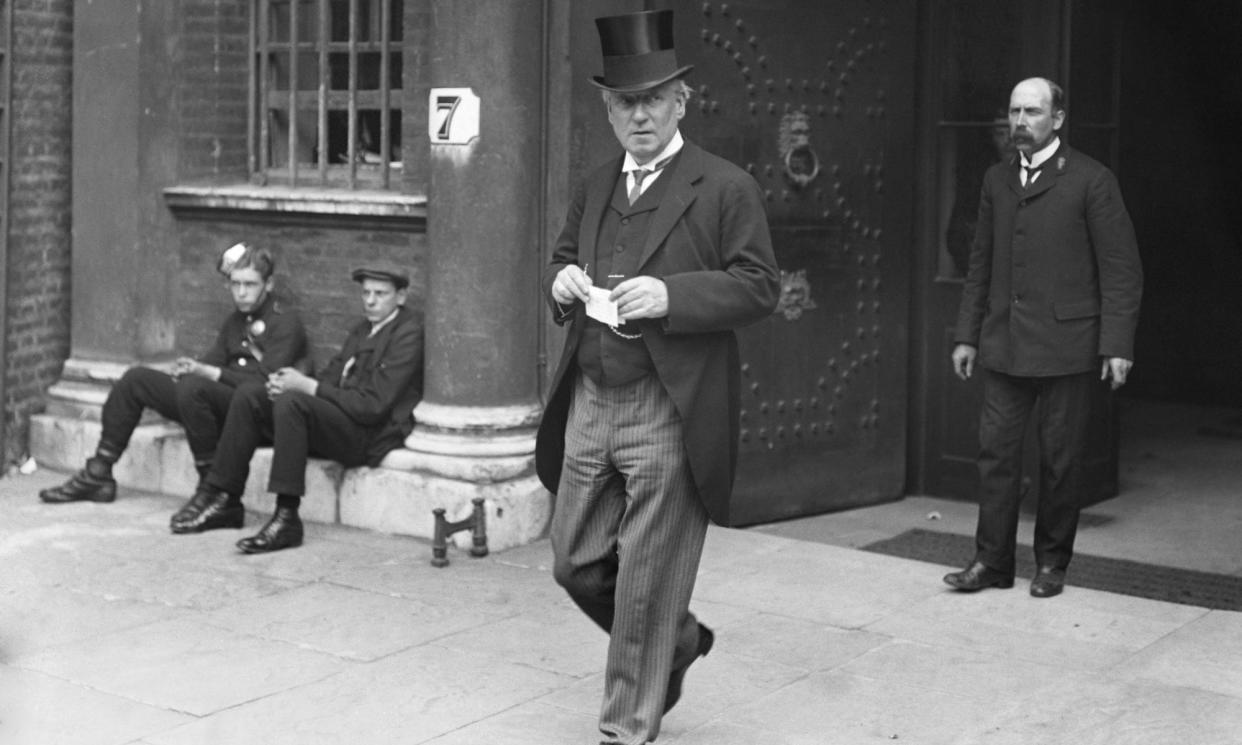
(665, 252)
(260, 336)
(356, 410)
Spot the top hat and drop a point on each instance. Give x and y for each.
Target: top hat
(638, 51)
(383, 270)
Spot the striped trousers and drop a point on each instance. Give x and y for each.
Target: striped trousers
(627, 535)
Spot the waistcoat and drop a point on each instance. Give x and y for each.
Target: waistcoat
(603, 356)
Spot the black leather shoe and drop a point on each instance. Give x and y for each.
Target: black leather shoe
(675, 679)
(203, 495)
(208, 509)
(84, 486)
(284, 530)
(1048, 582)
(978, 576)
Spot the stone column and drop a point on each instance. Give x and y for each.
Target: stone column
(124, 262)
(475, 429)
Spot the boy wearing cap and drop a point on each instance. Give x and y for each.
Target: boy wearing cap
(357, 409)
(260, 335)
(639, 437)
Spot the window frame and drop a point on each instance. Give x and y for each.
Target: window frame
(265, 98)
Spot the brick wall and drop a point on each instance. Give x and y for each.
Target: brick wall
(312, 275)
(37, 291)
(313, 259)
(213, 89)
(207, 46)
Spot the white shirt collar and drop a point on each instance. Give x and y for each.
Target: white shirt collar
(672, 148)
(375, 327)
(1044, 154)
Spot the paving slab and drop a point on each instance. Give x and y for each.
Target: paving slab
(184, 665)
(112, 630)
(1204, 654)
(405, 699)
(40, 709)
(342, 621)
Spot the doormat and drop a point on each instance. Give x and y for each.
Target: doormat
(1230, 428)
(1170, 584)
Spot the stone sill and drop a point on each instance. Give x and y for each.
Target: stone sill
(361, 208)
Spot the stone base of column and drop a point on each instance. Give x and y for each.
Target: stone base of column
(459, 453)
(66, 433)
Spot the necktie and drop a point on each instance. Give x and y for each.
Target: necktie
(640, 174)
(1029, 174)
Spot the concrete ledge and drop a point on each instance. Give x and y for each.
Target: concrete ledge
(397, 497)
(518, 511)
(157, 458)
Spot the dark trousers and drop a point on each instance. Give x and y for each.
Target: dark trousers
(627, 535)
(296, 425)
(1062, 405)
(199, 404)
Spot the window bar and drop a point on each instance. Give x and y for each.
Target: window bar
(293, 91)
(353, 94)
(385, 140)
(325, 34)
(264, 85)
(252, 51)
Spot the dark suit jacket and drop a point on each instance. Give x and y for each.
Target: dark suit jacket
(384, 383)
(1055, 281)
(278, 340)
(709, 242)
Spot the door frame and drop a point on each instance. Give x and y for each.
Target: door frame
(6, 157)
(930, 372)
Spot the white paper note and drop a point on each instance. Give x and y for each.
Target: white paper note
(599, 307)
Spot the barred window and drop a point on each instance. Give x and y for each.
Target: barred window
(326, 109)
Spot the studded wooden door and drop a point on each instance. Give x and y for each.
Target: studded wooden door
(815, 99)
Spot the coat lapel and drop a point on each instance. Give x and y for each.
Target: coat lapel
(677, 199)
(593, 212)
(1014, 176)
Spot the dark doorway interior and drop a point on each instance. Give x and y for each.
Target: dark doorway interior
(1180, 168)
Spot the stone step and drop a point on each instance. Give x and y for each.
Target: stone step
(393, 498)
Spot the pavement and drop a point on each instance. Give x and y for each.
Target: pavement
(114, 631)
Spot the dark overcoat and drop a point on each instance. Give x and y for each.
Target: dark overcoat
(710, 244)
(1055, 280)
(384, 383)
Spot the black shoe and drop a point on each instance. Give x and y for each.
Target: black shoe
(284, 530)
(675, 679)
(91, 484)
(978, 576)
(208, 509)
(203, 495)
(1048, 582)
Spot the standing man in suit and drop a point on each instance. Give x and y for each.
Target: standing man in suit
(355, 411)
(665, 252)
(260, 336)
(1049, 309)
